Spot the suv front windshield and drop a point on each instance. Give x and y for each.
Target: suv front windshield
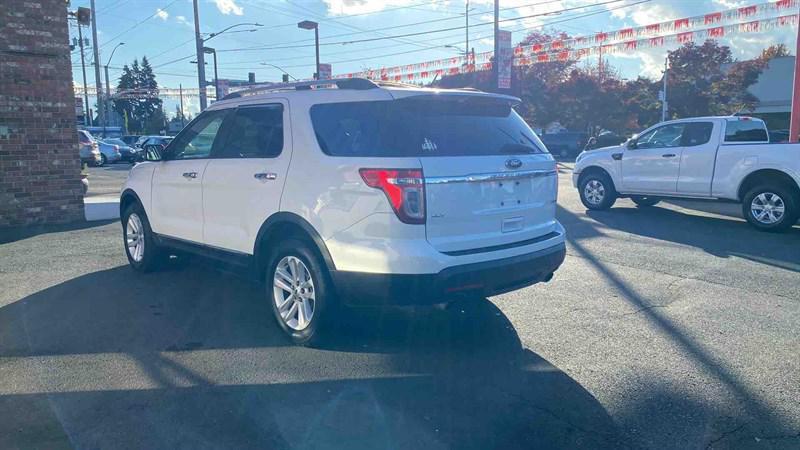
(423, 126)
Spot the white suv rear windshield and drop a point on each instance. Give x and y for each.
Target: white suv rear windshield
(423, 126)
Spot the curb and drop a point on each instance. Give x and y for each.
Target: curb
(101, 208)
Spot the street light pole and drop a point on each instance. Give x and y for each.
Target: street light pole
(466, 15)
(664, 106)
(87, 118)
(108, 86)
(310, 25)
(201, 65)
(279, 68)
(216, 77)
(496, 63)
(101, 107)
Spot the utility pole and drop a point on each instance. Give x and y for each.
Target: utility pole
(201, 63)
(794, 125)
(87, 119)
(600, 63)
(496, 63)
(664, 91)
(101, 106)
(180, 92)
(466, 47)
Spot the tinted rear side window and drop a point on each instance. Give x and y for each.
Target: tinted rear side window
(422, 126)
(254, 132)
(745, 131)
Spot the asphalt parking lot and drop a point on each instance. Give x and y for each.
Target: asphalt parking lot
(666, 327)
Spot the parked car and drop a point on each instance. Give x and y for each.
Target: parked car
(89, 150)
(109, 153)
(566, 144)
(721, 158)
(130, 139)
(369, 193)
(140, 141)
(127, 153)
(603, 139)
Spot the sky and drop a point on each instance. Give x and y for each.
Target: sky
(163, 30)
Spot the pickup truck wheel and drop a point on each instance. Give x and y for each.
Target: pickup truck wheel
(645, 201)
(140, 248)
(770, 208)
(597, 191)
(299, 291)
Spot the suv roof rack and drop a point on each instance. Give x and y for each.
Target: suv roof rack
(360, 84)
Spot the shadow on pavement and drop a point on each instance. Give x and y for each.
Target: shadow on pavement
(717, 236)
(190, 358)
(753, 416)
(8, 235)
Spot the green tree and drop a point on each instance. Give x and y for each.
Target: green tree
(138, 99)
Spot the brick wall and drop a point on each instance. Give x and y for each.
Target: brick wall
(39, 162)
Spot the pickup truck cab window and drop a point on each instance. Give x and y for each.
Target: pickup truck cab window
(745, 130)
(697, 133)
(662, 137)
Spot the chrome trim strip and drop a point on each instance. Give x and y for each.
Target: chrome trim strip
(484, 177)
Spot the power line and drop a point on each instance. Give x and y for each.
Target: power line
(554, 22)
(419, 33)
(139, 23)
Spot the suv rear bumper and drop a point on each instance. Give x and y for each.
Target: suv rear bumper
(478, 279)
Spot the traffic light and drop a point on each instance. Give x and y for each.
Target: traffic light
(84, 16)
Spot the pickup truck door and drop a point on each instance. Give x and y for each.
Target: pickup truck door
(653, 165)
(176, 193)
(700, 144)
(244, 181)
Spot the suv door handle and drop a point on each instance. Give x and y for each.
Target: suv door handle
(669, 155)
(265, 176)
(189, 175)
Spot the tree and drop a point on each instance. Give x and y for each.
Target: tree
(706, 80)
(775, 51)
(138, 100)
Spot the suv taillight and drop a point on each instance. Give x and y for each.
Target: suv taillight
(405, 189)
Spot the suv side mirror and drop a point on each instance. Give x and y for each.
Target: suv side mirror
(153, 153)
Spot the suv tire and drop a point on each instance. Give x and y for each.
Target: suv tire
(770, 207)
(597, 191)
(140, 248)
(644, 202)
(299, 291)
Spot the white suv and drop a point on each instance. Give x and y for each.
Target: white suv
(353, 192)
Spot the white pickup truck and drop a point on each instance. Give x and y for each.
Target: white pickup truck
(720, 158)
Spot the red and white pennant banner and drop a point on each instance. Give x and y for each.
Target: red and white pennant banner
(631, 46)
(759, 18)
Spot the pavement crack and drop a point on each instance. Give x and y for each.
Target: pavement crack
(724, 435)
